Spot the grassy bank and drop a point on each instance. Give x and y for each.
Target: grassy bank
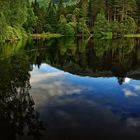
(15, 34)
(132, 35)
(46, 35)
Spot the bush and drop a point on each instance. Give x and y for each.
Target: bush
(14, 33)
(69, 30)
(48, 28)
(117, 29)
(130, 25)
(101, 26)
(82, 27)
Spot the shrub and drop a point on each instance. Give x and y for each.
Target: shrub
(101, 26)
(69, 30)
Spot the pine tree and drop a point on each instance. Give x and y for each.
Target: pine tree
(123, 9)
(51, 17)
(109, 9)
(61, 9)
(138, 14)
(83, 5)
(95, 7)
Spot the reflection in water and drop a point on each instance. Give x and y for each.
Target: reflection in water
(17, 113)
(103, 102)
(105, 58)
(77, 107)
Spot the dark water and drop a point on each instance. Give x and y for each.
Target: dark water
(67, 89)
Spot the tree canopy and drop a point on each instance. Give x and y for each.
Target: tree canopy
(68, 17)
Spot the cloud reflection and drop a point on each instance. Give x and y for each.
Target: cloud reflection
(134, 122)
(49, 82)
(127, 80)
(129, 93)
(136, 87)
(68, 102)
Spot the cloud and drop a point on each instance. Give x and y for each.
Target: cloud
(50, 82)
(136, 87)
(129, 93)
(127, 80)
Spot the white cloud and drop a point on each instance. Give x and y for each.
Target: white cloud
(51, 83)
(127, 80)
(136, 87)
(129, 93)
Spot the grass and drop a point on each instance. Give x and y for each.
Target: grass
(47, 35)
(132, 35)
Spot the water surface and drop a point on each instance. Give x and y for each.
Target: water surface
(66, 89)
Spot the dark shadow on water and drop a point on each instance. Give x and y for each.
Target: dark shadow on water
(95, 58)
(17, 113)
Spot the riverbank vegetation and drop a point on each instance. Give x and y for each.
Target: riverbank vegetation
(46, 35)
(98, 18)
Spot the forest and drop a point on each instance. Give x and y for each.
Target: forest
(98, 18)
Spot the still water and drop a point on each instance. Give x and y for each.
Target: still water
(70, 89)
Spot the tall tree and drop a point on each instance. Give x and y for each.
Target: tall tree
(95, 7)
(40, 14)
(51, 17)
(83, 5)
(61, 9)
(123, 9)
(138, 14)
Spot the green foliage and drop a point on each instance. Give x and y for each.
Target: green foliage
(13, 14)
(82, 27)
(117, 29)
(65, 28)
(14, 33)
(130, 25)
(104, 18)
(40, 14)
(101, 26)
(31, 22)
(2, 26)
(61, 24)
(69, 30)
(95, 7)
(51, 18)
(48, 28)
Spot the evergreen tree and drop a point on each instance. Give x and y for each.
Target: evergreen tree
(138, 14)
(95, 7)
(83, 5)
(61, 9)
(51, 17)
(123, 9)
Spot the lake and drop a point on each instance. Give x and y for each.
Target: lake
(70, 89)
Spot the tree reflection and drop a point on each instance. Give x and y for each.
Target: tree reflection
(17, 114)
(98, 58)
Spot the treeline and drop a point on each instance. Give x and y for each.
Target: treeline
(83, 17)
(70, 17)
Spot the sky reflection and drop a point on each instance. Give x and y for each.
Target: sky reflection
(72, 103)
(49, 82)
